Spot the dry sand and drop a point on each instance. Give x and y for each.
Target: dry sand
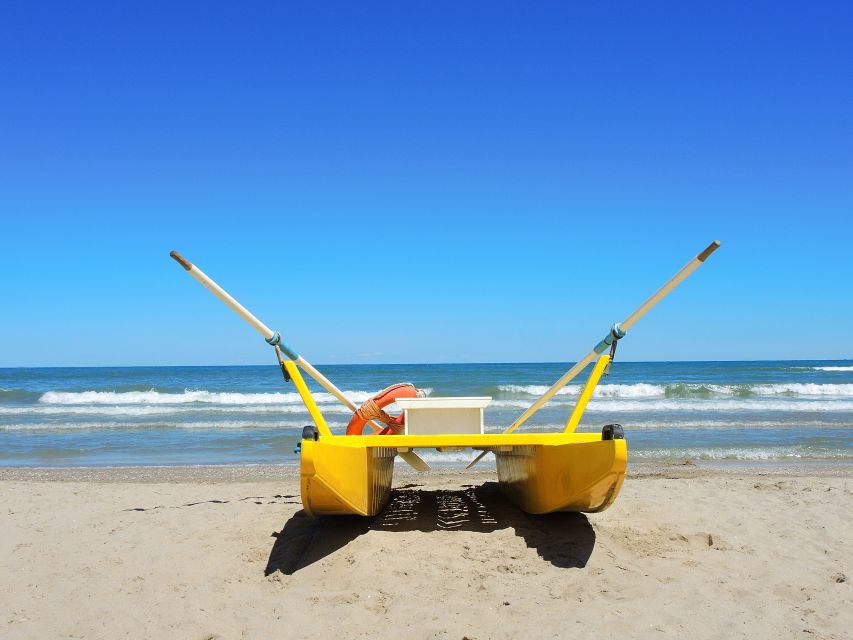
(207, 553)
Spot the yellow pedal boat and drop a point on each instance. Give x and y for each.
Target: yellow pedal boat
(540, 472)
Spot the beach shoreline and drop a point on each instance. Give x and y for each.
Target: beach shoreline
(202, 552)
(290, 472)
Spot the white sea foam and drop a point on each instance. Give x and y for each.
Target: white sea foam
(162, 410)
(207, 424)
(244, 424)
(802, 389)
(193, 397)
(734, 404)
(77, 426)
(641, 397)
(594, 424)
(693, 404)
(619, 391)
(438, 458)
(704, 423)
(643, 390)
(739, 453)
(337, 426)
(189, 397)
(832, 368)
(537, 389)
(639, 390)
(756, 454)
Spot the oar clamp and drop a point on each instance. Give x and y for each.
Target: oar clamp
(274, 339)
(615, 334)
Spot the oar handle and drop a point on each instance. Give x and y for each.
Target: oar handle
(186, 264)
(711, 248)
(273, 337)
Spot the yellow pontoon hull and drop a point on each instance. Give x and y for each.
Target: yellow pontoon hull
(540, 472)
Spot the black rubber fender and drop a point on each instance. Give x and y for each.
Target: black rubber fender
(309, 432)
(612, 432)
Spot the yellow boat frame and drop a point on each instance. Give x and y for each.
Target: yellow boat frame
(540, 472)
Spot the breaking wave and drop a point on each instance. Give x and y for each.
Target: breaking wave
(644, 390)
(193, 397)
(163, 409)
(294, 425)
(641, 397)
(798, 405)
(188, 397)
(733, 404)
(756, 454)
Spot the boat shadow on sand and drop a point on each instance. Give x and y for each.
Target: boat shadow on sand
(565, 540)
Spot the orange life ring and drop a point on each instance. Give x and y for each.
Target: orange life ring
(372, 410)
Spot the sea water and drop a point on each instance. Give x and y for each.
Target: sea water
(671, 411)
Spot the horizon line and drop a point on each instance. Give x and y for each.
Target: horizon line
(379, 364)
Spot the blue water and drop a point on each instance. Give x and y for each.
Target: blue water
(785, 411)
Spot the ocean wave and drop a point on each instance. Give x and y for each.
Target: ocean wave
(639, 390)
(189, 397)
(683, 390)
(337, 426)
(16, 395)
(163, 410)
(295, 426)
(508, 395)
(688, 424)
(741, 453)
(675, 404)
(439, 458)
(801, 389)
(794, 405)
(194, 397)
(832, 368)
(779, 402)
(679, 405)
(692, 424)
(757, 454)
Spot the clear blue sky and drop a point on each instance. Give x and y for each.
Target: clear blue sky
(415, 183)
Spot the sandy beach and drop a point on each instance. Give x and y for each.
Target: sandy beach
(226, 552)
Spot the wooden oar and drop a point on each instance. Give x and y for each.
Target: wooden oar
(274, 338)
(618, 331)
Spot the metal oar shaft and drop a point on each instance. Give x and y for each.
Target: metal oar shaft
(274, 338)
(621, 328)
(664, 291)
(269, 335)
(324, 382)
(223, 295)
(617, 332)
(550, 393)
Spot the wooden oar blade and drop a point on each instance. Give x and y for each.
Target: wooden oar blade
(414, 460)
